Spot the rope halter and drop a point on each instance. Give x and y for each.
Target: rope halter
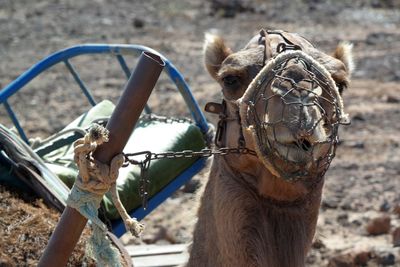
(292, 110)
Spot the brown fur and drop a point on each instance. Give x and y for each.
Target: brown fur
(239, 227)
(248, 216)
(216, 51)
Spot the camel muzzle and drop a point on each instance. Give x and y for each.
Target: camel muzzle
(292, 110)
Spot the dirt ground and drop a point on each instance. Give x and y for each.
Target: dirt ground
(25, 232)
(363, 182)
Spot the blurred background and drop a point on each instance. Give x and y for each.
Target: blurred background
(363, 183)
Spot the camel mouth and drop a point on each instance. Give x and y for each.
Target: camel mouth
(301, 151)
(293, 110)
(297, 160)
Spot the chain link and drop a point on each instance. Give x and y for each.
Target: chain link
(153, 117)
(149, 156)
(204, 153)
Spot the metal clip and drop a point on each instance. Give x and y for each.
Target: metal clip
(144, 180)
(283, 47)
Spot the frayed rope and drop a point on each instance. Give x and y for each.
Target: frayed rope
(94, 180)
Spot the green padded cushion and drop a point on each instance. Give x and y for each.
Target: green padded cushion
(149, 135)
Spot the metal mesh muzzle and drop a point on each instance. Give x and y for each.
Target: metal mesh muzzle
(292, 110)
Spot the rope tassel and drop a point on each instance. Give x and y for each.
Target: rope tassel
(94, 180)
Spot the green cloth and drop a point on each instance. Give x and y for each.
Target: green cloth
(64, 155)
(149, 135)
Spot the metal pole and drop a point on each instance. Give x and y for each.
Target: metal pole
(121, 124)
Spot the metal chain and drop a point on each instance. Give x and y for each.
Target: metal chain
(204, 153)
(149, 156)
(152, 117)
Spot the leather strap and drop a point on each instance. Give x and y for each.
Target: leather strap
(215, 108)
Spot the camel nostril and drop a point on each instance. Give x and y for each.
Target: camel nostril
(305, 144)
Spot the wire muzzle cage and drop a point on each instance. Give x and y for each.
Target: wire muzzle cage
(292, 110)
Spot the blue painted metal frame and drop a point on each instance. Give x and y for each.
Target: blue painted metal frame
(114, 49)
(118, 51)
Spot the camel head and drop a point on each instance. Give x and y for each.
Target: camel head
(288, 97)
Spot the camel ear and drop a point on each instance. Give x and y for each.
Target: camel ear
(344, 52)
(215, 51)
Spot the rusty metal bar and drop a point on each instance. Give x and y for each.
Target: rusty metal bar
(127, 72)
(121, 124)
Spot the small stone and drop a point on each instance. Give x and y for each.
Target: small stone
(353, 166)
(346, 206)
(318, 244)
(355, 144)
(330, 202)
(138, 23)
(358, 117)
(343, 219)
(385, 206)
(356, 222)
(386, 258)
(107, 21)
(396, 237)
(392, 99)
(191, 186)
(148, 238)
(341, 260)
(396, 210)
(368, 177)
(379, 225)
(362, 258)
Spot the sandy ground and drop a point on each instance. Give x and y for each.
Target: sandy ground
(363, 182)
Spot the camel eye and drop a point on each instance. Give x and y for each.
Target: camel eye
(231, 81)
(341, 86)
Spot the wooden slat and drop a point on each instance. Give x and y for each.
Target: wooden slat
(147, 250)
(158, 255)
(161, 260)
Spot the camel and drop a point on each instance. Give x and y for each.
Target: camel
(249, 214)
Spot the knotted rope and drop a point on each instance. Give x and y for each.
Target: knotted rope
(94, 180)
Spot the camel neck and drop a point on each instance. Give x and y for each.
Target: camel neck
(273, 233)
